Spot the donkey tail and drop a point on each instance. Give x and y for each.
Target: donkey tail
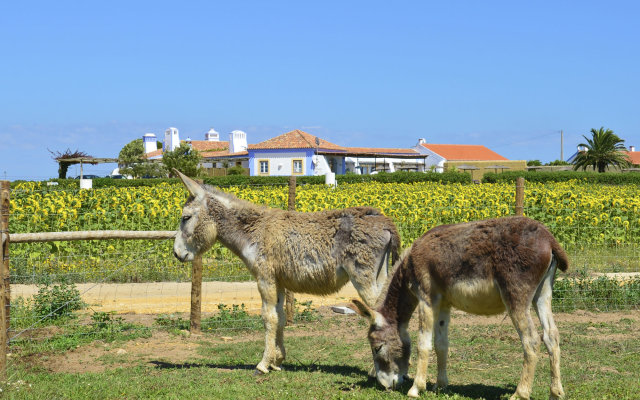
(394, 245)
(562, 259)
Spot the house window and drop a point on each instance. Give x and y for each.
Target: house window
(297, 167)
(333, 164)
(264, 167)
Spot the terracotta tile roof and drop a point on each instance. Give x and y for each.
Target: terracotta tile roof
(154, 153)
(223, 153)
(208, 145)
(466, 152)
(205, 147)
(377, 150)
(634, 156)
(295, 139)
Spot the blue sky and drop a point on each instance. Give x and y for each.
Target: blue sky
(510, 75)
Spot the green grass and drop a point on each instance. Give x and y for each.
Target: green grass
(329, 359)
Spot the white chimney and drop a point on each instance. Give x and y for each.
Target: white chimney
(212, 136)
(422, 141)
(632, 148)
(237, 141)
(171, 139)
(149, 142)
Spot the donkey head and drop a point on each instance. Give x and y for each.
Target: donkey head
(197, 231)
(390, 346)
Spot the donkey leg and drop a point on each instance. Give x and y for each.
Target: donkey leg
(441, 328)
(280, 351)
(366, 286)
(521, 319)
(425, 335)
(383, 273)
(550, 335)
(269, 293)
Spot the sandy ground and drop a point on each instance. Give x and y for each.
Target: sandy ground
(169, 297)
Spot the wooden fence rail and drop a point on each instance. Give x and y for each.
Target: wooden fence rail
(88, 235)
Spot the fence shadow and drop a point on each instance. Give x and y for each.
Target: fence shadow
(332, 369)
(480, 391)
(474, 391)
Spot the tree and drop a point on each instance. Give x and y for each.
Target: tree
(558, 162)
(63, 166)
(534, 163)
(131, 161)
(604, 148)
(184, 159)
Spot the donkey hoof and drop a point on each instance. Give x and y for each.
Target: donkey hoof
(440, 386)
(275, 367)
(413, 392)
(261, 370)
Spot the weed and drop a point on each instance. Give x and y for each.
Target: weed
(234, 318)
(602, 293)
(105, 321)
(307, 313)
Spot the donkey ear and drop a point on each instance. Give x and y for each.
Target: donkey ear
(192, 186)
(374, 317)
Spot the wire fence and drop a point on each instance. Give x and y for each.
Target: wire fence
(118, 283)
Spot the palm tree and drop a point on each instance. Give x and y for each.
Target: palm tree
(604, 148)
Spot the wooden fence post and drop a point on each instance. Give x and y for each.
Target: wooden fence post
(290, 300)
(196, 295)
(5, 294)
(195, 317)
(520, 196)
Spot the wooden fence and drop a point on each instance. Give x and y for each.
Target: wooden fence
(196, 270)
(5, 291)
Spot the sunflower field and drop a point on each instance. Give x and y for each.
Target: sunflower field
(598, 224)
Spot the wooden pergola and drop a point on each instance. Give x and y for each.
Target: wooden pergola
(88, 160)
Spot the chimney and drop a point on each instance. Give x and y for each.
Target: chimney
(171, 139)
(422, 141)
(632, 148)
(149, 141)
(237, 141)
(212, 136)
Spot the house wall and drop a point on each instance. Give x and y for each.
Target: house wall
(434, 161)
(280, 161)
(369, 164)
(514, 165)
(213, 163)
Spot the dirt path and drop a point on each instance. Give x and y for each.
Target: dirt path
(169, 297)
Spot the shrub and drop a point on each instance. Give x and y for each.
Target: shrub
(611, 178)
(59, 300)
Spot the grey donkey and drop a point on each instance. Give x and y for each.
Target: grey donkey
(316, 253)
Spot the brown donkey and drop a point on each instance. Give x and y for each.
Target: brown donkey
(315, 253)
(482, 267)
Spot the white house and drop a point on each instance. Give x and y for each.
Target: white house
(300, 153)
(292, 153)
